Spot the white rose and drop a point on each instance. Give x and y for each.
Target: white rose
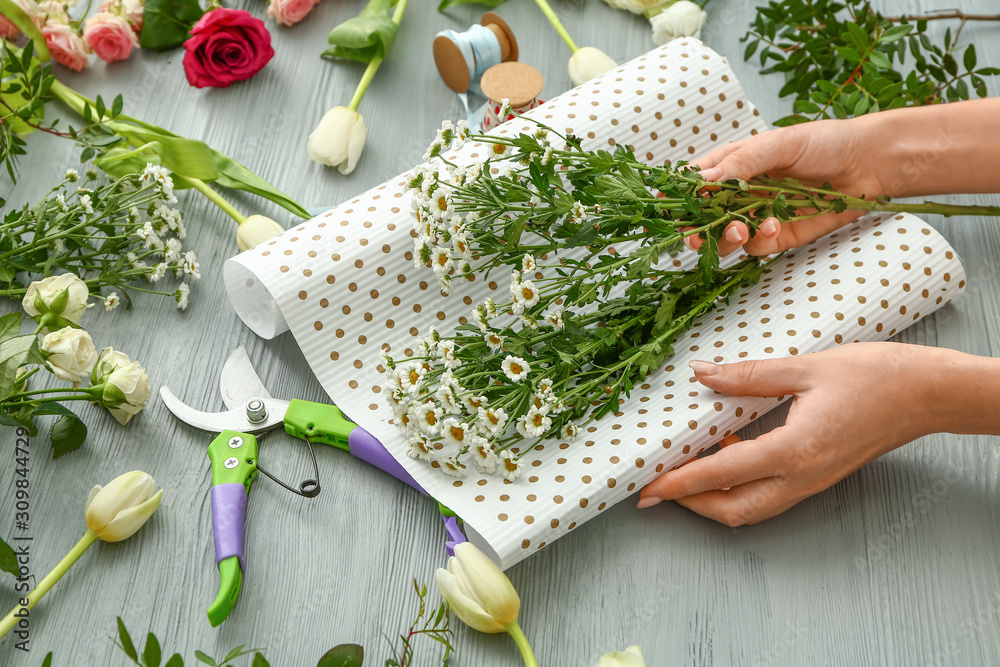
(70, 353)
(133, 10)
(44, 299)
(124, 384)
(338, 139)
(630, 657)
(589, 62)
(681, 19)
(255, 230)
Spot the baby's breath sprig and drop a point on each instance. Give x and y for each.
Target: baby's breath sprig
(592, 308)
(111, 234)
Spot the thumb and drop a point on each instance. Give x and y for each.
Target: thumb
(765, 377)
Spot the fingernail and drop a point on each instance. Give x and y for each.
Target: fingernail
(770, 227)
(704, 367)
(648, 502)
(711, 174)
(733, 235)
(687, 242)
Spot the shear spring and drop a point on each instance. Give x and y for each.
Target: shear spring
(308, 488)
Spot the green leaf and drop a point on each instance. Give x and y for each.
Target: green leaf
(48, 660)
(8, 559)
(368, 34)
(950, 65)
(10, 326)
(849, 54)
(234, 175)
(166, 23)
(204, 658)
(126, 642)
(896, 32)
(151, 654)
(880, 59)
(345, 655)
(15, 101)
(260, 661)
(69, 431)
(185, 157)
(445, 4)
(969, 57)
(175, 661)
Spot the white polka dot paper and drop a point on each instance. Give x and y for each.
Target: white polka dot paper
(346, 286)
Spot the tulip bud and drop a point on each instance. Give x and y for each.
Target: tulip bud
(119, 509)
(589, 62)
(338, 139)
(477, 591)
(119, 384)
(630, 657)
(57, 300)
(681, 19)
(70, 353)
(255, 230)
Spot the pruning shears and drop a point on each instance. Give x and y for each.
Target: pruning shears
(252, 411)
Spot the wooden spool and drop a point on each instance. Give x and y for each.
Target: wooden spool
(518, 82)
(451, 64)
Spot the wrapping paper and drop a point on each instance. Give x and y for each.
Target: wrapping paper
(345, 285)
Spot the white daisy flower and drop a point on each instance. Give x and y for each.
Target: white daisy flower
(504, 109)
(528, 320)
(494, 420)
(528, 263)
(491, 308)
(578, 212)
(61, 200)
(515, 368)
(87, 204)
(71, 175)
(419, 448)
(441, 261)
(500, 151)
(173, 250)
(555, 318)
(472, 403)
(545, 387)
(411, 376)
(181, 296)
(446, 350)
(158, 272)
(510, 467)
(111, 301)
(483, 456)
(453, 467)
(526, 294)
(455, 432)
(480, 320)
(427, 417)
(494, 341)
(570, 431)
(191, 265)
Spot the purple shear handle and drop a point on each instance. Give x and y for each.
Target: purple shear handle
(365, 446)
(229, 509)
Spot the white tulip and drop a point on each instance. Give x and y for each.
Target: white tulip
(123, 384)
(70, 353)
(589, 62)
(338, 139)
(255, 230)
(630, 657)
(477, 591)
(119, 509)
(44, 300)
(681, 19)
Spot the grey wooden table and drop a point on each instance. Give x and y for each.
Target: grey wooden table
(897, 564)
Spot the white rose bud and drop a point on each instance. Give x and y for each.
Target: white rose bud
(630, 657)
(338, 139)
(123, 383)
(589, 62)
(70, 353)
(255, 230)
(57, 300)
(119, 509)
(681, 19)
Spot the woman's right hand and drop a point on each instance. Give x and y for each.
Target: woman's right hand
(839, 152)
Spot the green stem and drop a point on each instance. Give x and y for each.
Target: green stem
(213, 196)
(49, 581)
(375, 62)
(557, 24)
(514, 630)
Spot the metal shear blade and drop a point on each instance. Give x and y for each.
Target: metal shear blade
(231, 420)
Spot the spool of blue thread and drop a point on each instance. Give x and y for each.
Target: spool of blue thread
(463, 57)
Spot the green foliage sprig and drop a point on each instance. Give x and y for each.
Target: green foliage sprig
(24, 87)
(436, 625)
(844, 59)
(152, 655)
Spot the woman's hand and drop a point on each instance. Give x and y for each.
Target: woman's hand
(839, 152)
(851, 405)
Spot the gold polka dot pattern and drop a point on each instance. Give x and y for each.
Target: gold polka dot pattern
(352, 290)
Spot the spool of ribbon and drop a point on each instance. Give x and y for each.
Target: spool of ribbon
(519, 83)
(463, 57)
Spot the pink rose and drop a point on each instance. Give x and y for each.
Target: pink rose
(290, 12)
(7, 28)
(226, 45)
(110, 37)
(66, 46)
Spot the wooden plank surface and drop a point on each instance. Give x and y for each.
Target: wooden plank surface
(898, 564)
